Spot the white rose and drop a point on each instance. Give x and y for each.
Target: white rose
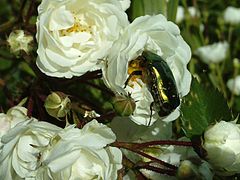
(222, 143)
(22, 148)
(213, 53)
(180, 14)
(73, 35)
(14, 115)
(232, 15)
(83, 154)
(18, 41)
(155, 34)
(234, 85)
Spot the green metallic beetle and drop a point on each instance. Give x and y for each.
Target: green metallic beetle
(155, 72)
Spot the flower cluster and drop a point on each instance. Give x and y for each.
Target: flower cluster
(76, 37)
(106, 84)
(40, 150)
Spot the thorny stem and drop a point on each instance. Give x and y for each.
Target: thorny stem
(137, 147)
(148, 166)
(155, 143)
(170, 166)
(131, 165)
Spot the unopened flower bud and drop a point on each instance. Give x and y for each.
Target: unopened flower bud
(236, 62)
(194, 168)
(185, 170)
(124, 105)
(57, 104)
(18, 41)
(222, 143)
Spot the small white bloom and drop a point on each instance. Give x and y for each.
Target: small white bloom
(155, 34)
(193, 12)
(222, 143)
(83, 154)
(22, 148)
(234, 85)
(18, 41)
(213, 53)
(232, 15)
(180, 14)
(74, 35)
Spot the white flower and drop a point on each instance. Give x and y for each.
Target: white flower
(83, 154)
(193, 12)
(234, 85)
(125, 4)
(213, 53)
(74, 35)
(180, 14)
(222, 143)
(14, 115)
(22, 148)
(18, 41)
(232, 15)
(155, 34)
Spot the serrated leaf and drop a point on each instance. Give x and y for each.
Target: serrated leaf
(203, 106)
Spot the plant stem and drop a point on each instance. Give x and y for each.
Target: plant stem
(137, 147)
(220, 79)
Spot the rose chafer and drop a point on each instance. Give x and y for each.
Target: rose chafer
(155, 72)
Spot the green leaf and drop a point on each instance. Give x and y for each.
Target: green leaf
(5, 64)
(153, 7)
(201, 107)
(150, 7)
(26, 68)
(136, 9)
(172, 10)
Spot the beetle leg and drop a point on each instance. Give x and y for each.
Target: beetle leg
(134, 73)
(151, 109)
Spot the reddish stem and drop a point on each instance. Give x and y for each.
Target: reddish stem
(159, 170)
(164, 142)
(134, 148)
(30, 106)
(155, 143)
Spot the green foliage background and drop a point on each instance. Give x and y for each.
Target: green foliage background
(209, 100)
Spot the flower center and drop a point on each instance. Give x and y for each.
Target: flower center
(135, 71)
(80, 25)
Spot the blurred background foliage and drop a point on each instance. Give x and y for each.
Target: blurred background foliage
(20, 78)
